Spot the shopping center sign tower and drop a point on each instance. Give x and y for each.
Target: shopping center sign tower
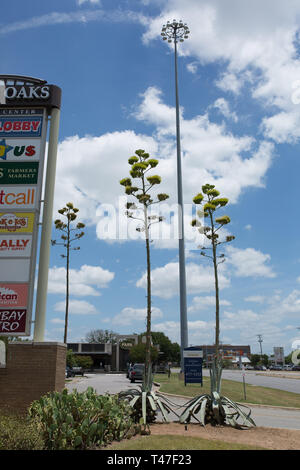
(29, 108)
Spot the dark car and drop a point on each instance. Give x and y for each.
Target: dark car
(69, 372)
(136, 372)
(276, 367)
(296, 367)
(260, 368)
(78, 370)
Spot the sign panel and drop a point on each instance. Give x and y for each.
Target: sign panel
(20, 150)
(193, 359)
(16, 197)
(16, 222)
(12, 321)
(15, 270)
(278, 354)
(15, 245)
(21, 126)
(19, 173)
(13, 295)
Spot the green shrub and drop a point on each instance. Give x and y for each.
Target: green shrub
(82, 420)
(86, 362)
(20, 433)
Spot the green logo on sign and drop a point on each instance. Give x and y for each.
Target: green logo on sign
(19, 173)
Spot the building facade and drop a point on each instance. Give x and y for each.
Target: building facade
(107, 356)
(228, 352)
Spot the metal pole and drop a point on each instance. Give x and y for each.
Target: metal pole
(42, 287)
(260, 340)
(182, 273)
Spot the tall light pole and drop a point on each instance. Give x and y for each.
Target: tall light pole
(176, 32)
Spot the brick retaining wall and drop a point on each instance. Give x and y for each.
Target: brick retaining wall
(32, 369)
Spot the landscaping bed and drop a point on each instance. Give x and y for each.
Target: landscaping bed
(173, 436)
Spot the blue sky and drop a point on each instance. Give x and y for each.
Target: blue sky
(239, 77)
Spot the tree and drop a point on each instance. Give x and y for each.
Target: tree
(211, 204)
(141, 164)
(168, 351)
(86, 362)
(138, 353)
(254, 358)
(70, 233)
(70, 358)
(101, 336)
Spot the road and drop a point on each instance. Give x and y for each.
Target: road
(272, 379)
(114, 383)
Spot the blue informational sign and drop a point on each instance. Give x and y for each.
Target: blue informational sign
(193, 359)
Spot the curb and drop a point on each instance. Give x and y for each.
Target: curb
(246, 404)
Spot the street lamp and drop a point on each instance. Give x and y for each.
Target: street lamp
(176, 32)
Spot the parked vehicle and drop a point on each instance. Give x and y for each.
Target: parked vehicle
(129, 368)
(69, 372)
(248, 367)
(161, 368)
(288, 367)
(276, 367)
(136, 372)
(296, 367)
(78, 371)
(260, 368)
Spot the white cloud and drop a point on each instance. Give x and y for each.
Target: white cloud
(256, 298)
(192, 67)
(249, 262)
(202, 303)
(165, 280)
(76, 307)
(102, 163)
(57, 321)
(83, 282)
(129, 316)
(223, 106)
(200, 332)
(82, 16)
(93, 2)
(257, 45)
(211, 154)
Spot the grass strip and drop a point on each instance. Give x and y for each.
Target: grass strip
(231, 389)
(174, 442)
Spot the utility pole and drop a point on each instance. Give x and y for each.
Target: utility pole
(177, 31)
(260, 340)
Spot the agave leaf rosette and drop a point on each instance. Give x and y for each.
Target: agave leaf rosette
(216, 409)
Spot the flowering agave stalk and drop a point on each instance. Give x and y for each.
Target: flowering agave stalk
(141, 164)
(210, 204)
(139, 186)
(213, 408)
(70, 233)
